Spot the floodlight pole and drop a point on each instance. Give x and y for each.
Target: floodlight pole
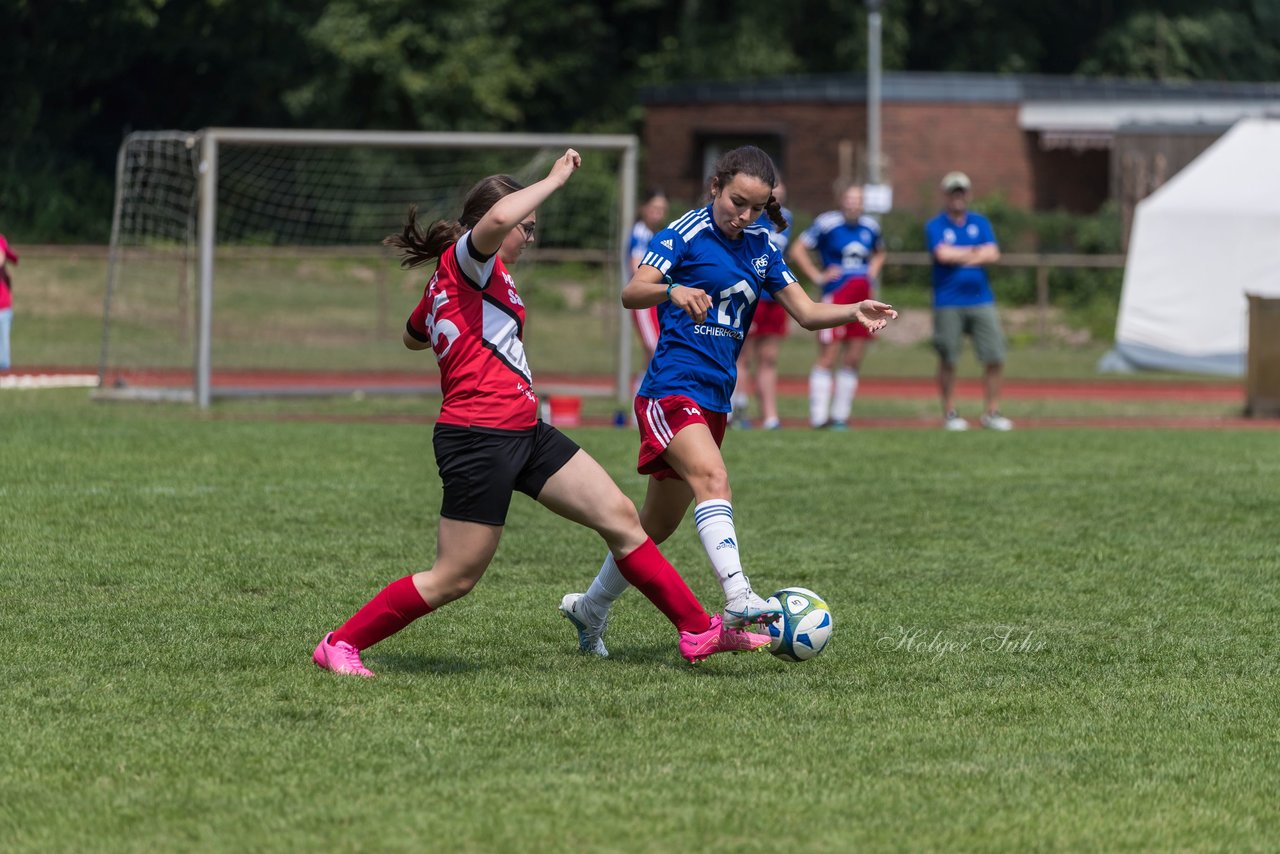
(873, 90)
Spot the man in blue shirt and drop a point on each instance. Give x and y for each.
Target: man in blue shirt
(961, 243)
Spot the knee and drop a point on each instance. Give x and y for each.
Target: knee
(440, 588)
(456, 588)
(711, 483)
(620, 523)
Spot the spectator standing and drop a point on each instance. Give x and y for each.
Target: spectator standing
(962, 243)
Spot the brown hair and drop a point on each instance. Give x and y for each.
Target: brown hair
(752, 161)
(417, 247)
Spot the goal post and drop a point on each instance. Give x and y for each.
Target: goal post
(243, 253)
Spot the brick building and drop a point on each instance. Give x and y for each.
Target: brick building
(1044, 143)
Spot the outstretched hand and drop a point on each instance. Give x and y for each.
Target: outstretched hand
(874, 315)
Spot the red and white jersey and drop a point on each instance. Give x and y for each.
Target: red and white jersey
(473, 319)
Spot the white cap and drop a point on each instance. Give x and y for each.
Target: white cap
(954, 181)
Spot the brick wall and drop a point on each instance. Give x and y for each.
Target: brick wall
(919, 142)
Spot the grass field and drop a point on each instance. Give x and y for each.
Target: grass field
(1046, 640)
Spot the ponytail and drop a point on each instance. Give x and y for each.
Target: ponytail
(773, 208)
(417, 247)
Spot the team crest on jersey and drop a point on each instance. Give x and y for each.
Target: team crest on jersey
(761, 265)
(949, 236)
(973, 230)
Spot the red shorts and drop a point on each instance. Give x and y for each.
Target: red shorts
(851, 290)
(648, 326)
(771, 319)
(660, 419)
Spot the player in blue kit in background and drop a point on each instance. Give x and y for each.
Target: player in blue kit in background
(961, 242)
(852, 254)
(764, 340)
(706, 272)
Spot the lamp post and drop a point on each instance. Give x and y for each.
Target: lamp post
(873, 90)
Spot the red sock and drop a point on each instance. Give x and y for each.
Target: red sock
(398, 605)
(651, 574)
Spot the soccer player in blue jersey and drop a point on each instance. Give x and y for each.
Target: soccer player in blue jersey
(852, 254)
(706, 272)
(961, 243)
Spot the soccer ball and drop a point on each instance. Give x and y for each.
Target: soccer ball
(805, 626)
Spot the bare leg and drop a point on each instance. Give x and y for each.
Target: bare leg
(464, 551)
(991, 382)
(946, 386)
(767, 377)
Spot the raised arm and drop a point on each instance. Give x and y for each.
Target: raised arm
(493, 227)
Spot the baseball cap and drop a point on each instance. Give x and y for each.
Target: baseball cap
(955, 181)
(9, 253)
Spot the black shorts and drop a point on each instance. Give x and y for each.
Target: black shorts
(481, 469)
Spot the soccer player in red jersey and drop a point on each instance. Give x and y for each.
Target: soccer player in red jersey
(488, 440)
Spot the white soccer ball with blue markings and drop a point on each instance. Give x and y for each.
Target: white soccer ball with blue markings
(805, 627)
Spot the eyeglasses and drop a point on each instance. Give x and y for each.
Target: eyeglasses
(527, 228)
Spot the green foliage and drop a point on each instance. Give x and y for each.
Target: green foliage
(84, 73)
(166, 575)
(1213, 44)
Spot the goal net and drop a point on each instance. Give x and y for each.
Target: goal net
(249, 261)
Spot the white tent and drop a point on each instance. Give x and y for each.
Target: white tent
(1200, 243)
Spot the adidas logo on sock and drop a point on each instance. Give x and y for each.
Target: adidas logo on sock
(727, 543)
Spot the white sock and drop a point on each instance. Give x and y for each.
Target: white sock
(819, 396)
(846, 391)
(720, 539)
(606, 588)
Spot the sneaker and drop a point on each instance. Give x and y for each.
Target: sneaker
(996, 421)
(590, 632)
(748, 609)
(954, 422)
(773, 424)
(340, 657)
(838, 426)
(698, 646)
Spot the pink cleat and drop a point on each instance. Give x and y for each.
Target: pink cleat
(697, 646)
(342, 657)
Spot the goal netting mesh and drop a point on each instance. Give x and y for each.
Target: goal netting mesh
(252, 263)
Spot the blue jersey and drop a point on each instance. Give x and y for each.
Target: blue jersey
(779, 239)
(700, 360)
(840, 242)
(640, 237)
(954, 285)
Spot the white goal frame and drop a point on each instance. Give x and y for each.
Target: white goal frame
(212, 140)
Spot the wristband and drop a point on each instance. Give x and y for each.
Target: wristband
(670, 285)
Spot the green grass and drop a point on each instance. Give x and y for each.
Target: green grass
(166, 574)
